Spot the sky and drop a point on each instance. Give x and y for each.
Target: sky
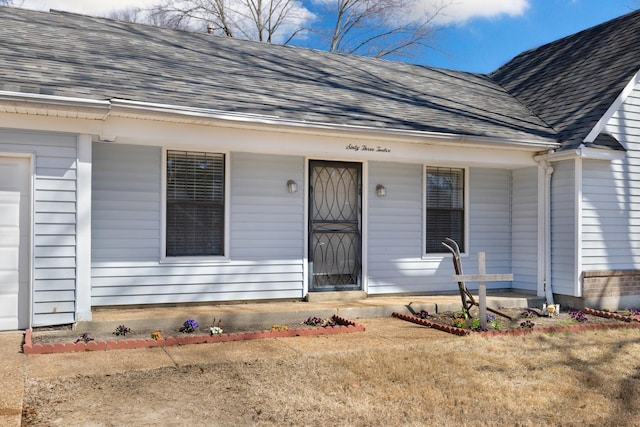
(475, 35)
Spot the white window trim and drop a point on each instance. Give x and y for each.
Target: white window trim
(163, 226)
(439, 255)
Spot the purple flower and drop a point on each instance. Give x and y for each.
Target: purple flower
(189, 326)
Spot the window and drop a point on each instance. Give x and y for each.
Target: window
(195, 204)
(445, 211)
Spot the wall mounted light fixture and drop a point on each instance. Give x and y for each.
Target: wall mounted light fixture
(380, 190)
(292, 187)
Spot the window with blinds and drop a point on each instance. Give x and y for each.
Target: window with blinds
(445, 207)
(195, 204)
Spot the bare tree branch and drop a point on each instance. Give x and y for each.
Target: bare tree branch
(377, 28)
(271, 21)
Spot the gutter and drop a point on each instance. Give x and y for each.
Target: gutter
(28, 100)
(544, 232)
(120, 106)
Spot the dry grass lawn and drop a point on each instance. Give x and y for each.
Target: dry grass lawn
(561, 379)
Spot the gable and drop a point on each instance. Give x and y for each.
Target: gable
(571, 83)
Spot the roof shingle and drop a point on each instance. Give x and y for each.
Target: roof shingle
(71, 55)
(572, 82)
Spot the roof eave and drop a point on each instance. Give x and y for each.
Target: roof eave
(587, 153)
(17, 102)
(127, 108)
(59, 106)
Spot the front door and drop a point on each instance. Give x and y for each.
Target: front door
(335, 246)
(15, 190)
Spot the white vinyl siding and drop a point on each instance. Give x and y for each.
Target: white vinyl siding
(611, 198)
(395, 231)
(490, 222)
(395, 225)
(54, 269)
(610, 223)
(266, 228)
(525, 229)
(125, 203)
(563, 225)
(267, 222)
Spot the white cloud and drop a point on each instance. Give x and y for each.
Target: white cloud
(461, 11)
(86, 7)
(453, 11)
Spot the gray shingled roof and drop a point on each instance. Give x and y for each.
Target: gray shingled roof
(72, 55)
(571, 82)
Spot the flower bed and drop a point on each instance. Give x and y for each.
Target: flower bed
(85, 342)
(524, 321)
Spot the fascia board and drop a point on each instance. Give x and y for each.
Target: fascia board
(613, 108)
(134, 109)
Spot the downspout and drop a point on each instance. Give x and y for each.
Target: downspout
(548, 172)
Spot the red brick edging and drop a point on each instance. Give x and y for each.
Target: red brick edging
(344, 326)
(434, 325)
(610, 315)
(515, 332)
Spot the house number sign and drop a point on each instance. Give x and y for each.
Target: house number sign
(367, 148)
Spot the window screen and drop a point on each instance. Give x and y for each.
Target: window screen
(195, 204)
(445, 207)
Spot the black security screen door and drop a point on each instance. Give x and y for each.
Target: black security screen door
(334, 225)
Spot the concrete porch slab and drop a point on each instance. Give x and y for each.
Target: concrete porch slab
(262, 315)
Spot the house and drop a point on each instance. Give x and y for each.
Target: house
(142, 165)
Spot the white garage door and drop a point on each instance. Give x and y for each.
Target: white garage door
(15, 205)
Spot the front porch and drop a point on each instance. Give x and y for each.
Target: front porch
(262, 315)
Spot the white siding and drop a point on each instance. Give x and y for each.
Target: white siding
(267, 222)
(266, 231)
(54, 280)
(396, 262)
(525, 229)
(125, 203)
(395, 232)
(490, 219)
(563, 223)
(611, 198)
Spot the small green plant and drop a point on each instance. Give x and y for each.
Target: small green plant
(189, 326)
(463, 313)
(492, 322)
(85, 338)
(121, 330)
(460, 322)
(476, 326)
(156, 335)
